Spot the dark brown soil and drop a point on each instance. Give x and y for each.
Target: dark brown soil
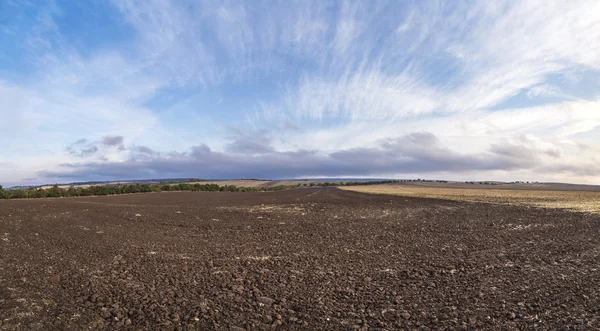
(320, 259)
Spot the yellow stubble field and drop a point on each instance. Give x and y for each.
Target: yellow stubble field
(583, 201)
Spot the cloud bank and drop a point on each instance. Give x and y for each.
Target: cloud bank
(415, 153)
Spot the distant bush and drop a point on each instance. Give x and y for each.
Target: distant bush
(3, 193)
(278, 188)
(54, 192)
(37, 193)
(17, 194)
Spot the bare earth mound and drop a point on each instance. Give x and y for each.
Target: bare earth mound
(318, 258)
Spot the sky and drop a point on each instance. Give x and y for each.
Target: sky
(456, 90)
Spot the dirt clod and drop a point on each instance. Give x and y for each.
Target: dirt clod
(266, 301)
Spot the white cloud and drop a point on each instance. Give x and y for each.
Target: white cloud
(516, 47)
(543, 90)
(555, 129)
(360, 96)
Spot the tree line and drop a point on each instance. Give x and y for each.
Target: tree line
(97, 190)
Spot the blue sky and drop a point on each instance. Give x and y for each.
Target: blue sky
(464, 90)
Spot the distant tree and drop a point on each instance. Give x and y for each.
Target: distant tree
(71, 192)
(110, 190)
(17, 194)
(99, 190)
(37, 193)
(184, 187)
(136, 188)
(85, 192)
(54, 192)
(230, 188)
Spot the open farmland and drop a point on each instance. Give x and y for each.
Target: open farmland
(313, 258)
(584, 201)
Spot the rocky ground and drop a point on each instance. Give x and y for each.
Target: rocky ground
(315, 258)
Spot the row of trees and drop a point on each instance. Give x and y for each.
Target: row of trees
(56, 192)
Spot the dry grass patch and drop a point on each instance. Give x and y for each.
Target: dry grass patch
(573, 200)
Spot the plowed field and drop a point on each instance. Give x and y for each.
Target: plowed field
(315, 258)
